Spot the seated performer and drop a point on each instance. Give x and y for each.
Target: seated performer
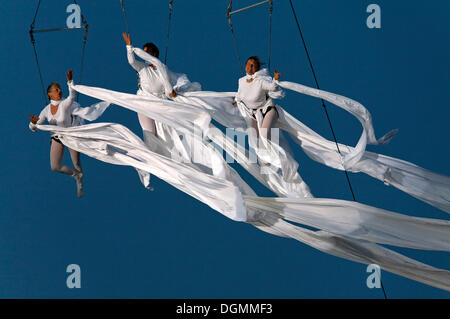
(256, 90)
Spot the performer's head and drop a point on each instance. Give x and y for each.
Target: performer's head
(54, 91)
(151, 49)
(252, 65)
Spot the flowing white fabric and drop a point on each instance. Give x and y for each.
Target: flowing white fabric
(192, 108)
(182, 116)
(115, 144)
(420, 183)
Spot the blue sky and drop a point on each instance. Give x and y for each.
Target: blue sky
(132, 243)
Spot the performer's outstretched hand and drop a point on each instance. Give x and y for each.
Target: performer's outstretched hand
(33, 118)
(69, 75)
(126, 38)
(276, 75)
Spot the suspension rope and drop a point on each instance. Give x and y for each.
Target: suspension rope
(39, 67)
(33, 42)
(168, 29)
(325, 109)
(86, 27)
(234, 36)
(125, 16)
(323, 102)
(270, 33)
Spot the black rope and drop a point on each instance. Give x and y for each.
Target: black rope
(325, 109)
(35, 14)
(33, 42)
(234, 37)
(125, 16)
(323, 102)
(82, 56)
(39, 68)
(270, 33)
(168, 29)
(83, 51)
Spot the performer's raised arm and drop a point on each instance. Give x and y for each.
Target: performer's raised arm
(130, 54)
(151, 56)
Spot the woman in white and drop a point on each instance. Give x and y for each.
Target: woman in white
(152, 79)
(59, 113)
(256, 90)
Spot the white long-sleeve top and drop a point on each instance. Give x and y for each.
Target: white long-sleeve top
(259, 91)
(63, 115)
(152, 80)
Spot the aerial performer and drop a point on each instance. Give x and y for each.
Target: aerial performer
(255, 100)
(152, 79)
(65, 113)
(156, 81)
(256, 91)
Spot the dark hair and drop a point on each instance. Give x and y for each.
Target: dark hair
(256, 59)
(52, 85)
(152, 48)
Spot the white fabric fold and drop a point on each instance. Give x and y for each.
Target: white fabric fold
(182, 116)
(418, 182)
(353, 107)
(362, 252)
(358, 221)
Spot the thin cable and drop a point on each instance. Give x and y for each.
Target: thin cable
(83, 51)
(33, 42)
(39, 68)
(168, 29)
(125, 16)
(234, 37)
(326, 112)
(35, 15)
(323, 102)
(270, 32)
(82, 56)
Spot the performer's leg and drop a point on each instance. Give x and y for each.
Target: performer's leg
(56, 156)
(255, 127)
(78, 175)
(75, 156)
(269, 120)
(147, 123)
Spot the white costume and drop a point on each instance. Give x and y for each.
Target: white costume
(152, 79)
(255, 99)
(256, 91)
(69, 112)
